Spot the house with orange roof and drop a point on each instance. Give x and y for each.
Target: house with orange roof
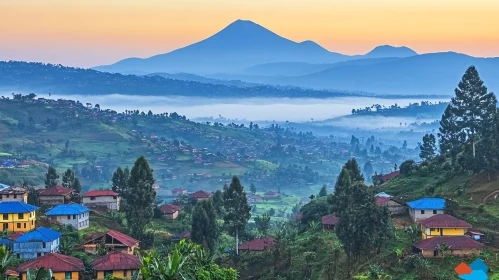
(443, 225)
(329, 222)
(170, 211)
(55, 195)
(116, 264)
(200, 195)
(102, 198)
(62, 266)
(114, 241)
(460, 246)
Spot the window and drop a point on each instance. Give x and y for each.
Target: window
(69, 217)
(125, 273)
(32, 223)
(92, 198)
(5, 226)
(108, 273)
(24, 224)
(20, 216)
(44, 245)
(74, 217)
(15, 196)
(7, 196)
(114, 197)
(422, 212)
(0, 197)
(434, 212)
(18, 225)
(38, 255)
(67, 275)
(5, 216)
(432, 229)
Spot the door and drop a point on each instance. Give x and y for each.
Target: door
(441, 232)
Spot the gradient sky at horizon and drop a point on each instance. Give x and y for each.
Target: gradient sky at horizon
(94, 32)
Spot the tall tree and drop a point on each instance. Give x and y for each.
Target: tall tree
(262, 223)
(139, 197)
(428, 148)
(68, 178)
(218, 203)
(253, 188)
(77, 185)
(120, 180)
(368, 170)
(237, 209)
(323, 191)
(450, 138)
(51, 177)
(204, 225)
(349, 175)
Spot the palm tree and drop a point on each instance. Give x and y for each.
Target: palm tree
(67, 245)
(39, 274)
(6, 259)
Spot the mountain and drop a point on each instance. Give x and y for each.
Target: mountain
(239, 45)
(202, 79)
(435, 73)
(390, 51)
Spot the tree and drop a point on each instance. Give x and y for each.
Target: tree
(237, 209)
(218, 203)
(253, 188)
(51, 178)
(262, 223)
(139, 197)
(120, 180)
(404, 146)
(407, 167)
(368, 169)
(68, 178)
(77, 186)
(6, 259)
(323, 191)
(349, 175)
(428, 147)
(39, 274)
(204, 225)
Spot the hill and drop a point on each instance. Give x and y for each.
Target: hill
(390, 51)
(239, 45)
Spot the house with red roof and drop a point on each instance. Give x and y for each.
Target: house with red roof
(179, 191)
(389, 176)
(395, 207)
(257, 244)
(329, 222)
(62, 266)
(443, 225)
(459, 246)
(170, 211)
(55, 195)
(14, 193)
(271, 195)
(102, 199)
(200, 195)
(116, 264)
(113, 241)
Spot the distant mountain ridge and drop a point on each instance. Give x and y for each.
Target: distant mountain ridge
(240, 45)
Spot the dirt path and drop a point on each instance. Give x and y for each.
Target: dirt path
(490, 195)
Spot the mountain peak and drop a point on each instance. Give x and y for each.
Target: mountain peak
(390, 51)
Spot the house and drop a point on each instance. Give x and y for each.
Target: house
(271, 195)
(73, 214)
(17, 216)
(55, 195)
(14, 194)
(63, 267)
(23, 164)
(478, 236)
(170, 211)
(257, 244)
(425, 207)
(8, 240)
(395, 207)
(200, 195)
(329, 222)
(388, 177)
(459, 246)
(443, 225)
(254, 198)
(102, 198)
(36, 243)
(179, 191)
(114, 241)
(116, 264)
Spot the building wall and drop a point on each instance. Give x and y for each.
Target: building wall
(395, 208)
(117, 273)
(92, 248)
(58, 275)
(417, 216)
(14, 197)
(30, 250)
(78, 222)
(172, 216)
(51, 199)
(110, 202)
(458, 253)
(12, 222)
(432, 232)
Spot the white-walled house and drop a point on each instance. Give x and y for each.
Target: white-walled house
(102, 198)
(425, 208)
(75, 215)
(36, 243)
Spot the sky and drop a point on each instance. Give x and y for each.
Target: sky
(88, 33)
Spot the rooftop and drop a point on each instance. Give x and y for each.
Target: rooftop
(257, 244)
(330, 220)
(427, 203)
(57, 190)
(54, 261)
(40, 234)
(116, 261)
(455, 242)
(10, 207)
(169, 208)
(100, 193)
(13, 190)
(444, 221)
(67, 209)
(200, 194)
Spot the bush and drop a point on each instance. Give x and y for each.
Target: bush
(407, 167)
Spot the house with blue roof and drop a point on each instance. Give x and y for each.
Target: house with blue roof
(425, 208)
(75, 215)
(36, 243)
(17, 216)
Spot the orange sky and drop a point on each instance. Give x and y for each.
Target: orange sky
(94, 32)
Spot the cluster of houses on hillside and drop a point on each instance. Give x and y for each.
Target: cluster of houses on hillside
(436, 227)
(9, 164)
(39, 246)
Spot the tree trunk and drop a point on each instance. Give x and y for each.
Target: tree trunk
(237, 241)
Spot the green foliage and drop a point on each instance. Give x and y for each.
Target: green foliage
(218, 203)
(323, 191)
(204, 225)
(68, 178)
(139, 198)
(428, 148)
(252, 188)
(314, 210)
(6, 259)
(262, 223)
(39, 274)
(237, 209)
(120, 180)
(407, 167)
(51, 177)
